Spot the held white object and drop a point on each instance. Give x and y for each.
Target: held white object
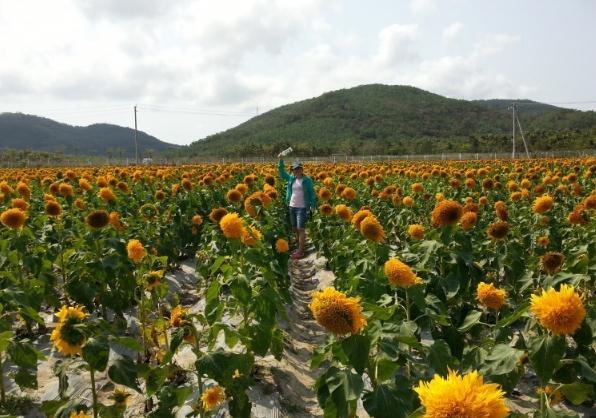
(285, 152)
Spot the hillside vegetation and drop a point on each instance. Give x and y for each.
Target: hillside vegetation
(381, 119)
(27, 132)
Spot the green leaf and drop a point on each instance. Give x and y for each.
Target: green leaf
(5, 340)
(577, 393)
(277, 343)
(471, 319)
(124, 372)
(386, 401)
(128, 342)
(502, 360)
(586, 370)
(212, 305)
(96, 353)
(356, 348)
(385, 368)
(545, 353)
(26, 378)
(60, 370)
(240, 405)
(23, 354)
(217, 264)
(439, 356)
(155, 379)
(514, 316)
(241, 290)
(221, 366)
(260, 338)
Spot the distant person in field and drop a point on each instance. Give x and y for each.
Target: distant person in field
(301, 198)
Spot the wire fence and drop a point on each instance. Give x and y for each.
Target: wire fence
(74, 161)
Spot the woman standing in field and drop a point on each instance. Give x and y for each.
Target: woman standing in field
(301, 198)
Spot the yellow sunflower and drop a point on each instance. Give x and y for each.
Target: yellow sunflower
(498, 230)
(461, 397)
(337, 312)
(213, 397)
(343, 212)
(490, 296)
(416, 231)
(120, 398)
(136, 251)
(79, 414)
(282, 246)
(98, 219)
(552, 262)
(251, 236)
(468, 220)
(400, 274)
(542, 204)
(447, 212)
(217, 214)
(67, 337)
(231, 226)
(13, 218)
(561, 312)
(359, 217)
(371, 229)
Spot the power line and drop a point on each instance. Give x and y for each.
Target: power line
(191, 112)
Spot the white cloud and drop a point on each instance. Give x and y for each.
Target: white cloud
(452, 32)
(493, 44)
(227, 55)
(396, 44)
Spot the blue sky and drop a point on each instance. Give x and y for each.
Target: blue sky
(196, 67)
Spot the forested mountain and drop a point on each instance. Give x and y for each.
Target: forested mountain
(382, 119)
(19, 131)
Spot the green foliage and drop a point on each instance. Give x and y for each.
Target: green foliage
(27, 132)
(380, 119)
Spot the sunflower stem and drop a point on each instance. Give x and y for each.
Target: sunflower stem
(93, 393)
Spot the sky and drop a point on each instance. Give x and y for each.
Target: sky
(197, 67)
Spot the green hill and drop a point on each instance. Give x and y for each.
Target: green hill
(381, 119)
(19, 131)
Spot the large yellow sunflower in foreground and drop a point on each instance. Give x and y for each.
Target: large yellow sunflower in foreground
(213, 397)
(561, 312)
(337, 312)
(461, 397)
(67, 337)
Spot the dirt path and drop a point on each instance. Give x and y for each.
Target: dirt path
(292, 375)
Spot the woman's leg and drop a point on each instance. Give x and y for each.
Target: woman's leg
(301, 239)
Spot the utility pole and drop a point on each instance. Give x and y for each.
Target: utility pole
(513, 134)
(522, 135)
(136, 138)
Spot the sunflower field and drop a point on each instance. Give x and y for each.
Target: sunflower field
(458, 286)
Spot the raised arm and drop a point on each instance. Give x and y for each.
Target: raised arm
(282, 170)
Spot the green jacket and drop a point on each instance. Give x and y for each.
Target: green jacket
(310, 198)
